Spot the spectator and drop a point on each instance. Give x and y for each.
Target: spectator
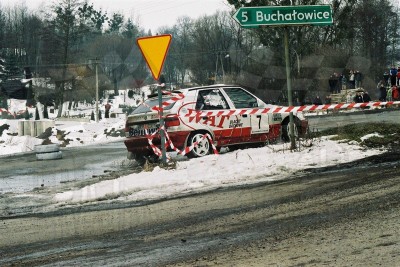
(343, 81)
(358, 79)
(366, 97)
(328, 100)
(386, 76)
(352, 81)
(382, 90)
(398, 76)
(107, 108)
(395, 93)
(317, 100)
(393, 76)
(358, 98)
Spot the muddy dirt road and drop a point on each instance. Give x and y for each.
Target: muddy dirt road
(345, 215)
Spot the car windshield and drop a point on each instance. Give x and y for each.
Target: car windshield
(149, 103)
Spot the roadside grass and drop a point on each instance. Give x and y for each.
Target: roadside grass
(382, 134)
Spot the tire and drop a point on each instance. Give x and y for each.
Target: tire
(202, 149)
(285, 129)
(49, 155)
(47, 148)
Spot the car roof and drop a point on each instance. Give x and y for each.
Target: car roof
(211, 86)
(185, 90)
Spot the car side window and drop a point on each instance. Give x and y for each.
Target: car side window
(241, 98)
(210, 99)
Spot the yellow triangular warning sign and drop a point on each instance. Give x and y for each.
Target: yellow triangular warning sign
(154, 50)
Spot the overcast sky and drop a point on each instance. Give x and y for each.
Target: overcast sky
(152, 14)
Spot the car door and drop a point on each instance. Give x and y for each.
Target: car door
(227, 129)
(241, 99)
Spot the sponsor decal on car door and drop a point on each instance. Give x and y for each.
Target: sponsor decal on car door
(237, 126)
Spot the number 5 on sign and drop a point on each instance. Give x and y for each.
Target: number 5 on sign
(154, 50)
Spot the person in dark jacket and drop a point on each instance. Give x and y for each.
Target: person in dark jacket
(382, 90)
(386, 76)
(393, 76)
(317, 100)
(358, 79)
(398, 76)
(358, 98)
(366, 97)
(107, 108)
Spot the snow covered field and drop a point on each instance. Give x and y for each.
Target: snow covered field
(234, 168)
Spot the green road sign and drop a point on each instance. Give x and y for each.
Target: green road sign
(319, 15)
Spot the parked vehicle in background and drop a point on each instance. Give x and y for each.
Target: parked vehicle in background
(216, 103)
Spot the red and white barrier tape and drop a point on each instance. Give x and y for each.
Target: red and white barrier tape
(175, 97)
(256, 111)
(195, 144)
(157, 151)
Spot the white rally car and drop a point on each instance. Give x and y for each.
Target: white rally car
(230, 115)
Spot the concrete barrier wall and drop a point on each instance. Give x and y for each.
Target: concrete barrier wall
(33, 128)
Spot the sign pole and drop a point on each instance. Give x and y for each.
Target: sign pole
(154, 50)
(162, 133)
(253, 17)
(97, 92)
(289, 88)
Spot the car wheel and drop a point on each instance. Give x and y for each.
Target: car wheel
(203, 147)
(285, 129)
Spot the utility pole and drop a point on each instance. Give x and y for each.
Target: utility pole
(289, 88)
(216, 68)
(222, 67)
(96, 62)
